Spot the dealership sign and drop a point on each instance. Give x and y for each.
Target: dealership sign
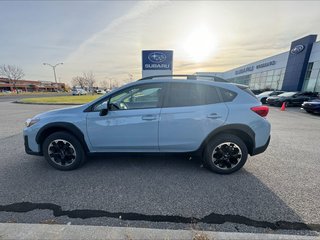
(251, 68)
(157, 60)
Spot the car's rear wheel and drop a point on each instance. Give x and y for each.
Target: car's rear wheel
(63, 151)
(225, 154)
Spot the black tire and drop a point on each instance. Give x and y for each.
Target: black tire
(68, 147)
(221, 164)
(263, 100)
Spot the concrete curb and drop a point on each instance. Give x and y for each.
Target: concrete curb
(19, 102)
(45, 231)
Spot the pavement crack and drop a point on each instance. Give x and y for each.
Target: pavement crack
(212, 218)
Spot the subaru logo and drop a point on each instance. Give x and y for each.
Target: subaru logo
(297, 49)
(157, 57)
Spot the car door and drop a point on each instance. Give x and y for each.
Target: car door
(298, 99)
(131, 123)
(190, 112)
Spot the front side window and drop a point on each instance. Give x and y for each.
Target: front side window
(190, 94)
(137, 97)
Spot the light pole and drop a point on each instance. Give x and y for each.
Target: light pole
(110, 81)
(54, 69)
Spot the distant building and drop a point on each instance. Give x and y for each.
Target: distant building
(295, 70)
(30, 86)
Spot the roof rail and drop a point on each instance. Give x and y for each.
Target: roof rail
(188, 77)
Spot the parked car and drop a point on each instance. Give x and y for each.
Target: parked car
(256, 92)
(6, 91)
(99, 91)
(79, 91)
(312, 106)
(263, 96)
(219, 121)
(291, 98)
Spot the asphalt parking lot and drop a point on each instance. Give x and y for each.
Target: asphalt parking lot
(276, 192)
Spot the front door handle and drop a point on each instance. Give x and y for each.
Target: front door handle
(213, 116)
(149, 117)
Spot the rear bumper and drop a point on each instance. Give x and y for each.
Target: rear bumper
(261, 149)
(27, 148)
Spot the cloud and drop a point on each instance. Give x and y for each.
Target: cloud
(244, 34)
(107, 51)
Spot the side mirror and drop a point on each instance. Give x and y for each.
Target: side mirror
(104, 109)
(104, 112)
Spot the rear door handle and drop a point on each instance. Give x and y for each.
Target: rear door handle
(213, 116)
(149, 117)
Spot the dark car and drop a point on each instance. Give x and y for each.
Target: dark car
(291, 98)
(312, 106)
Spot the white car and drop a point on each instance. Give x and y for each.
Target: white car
(99, 91)
(263, 96)
(79, 91)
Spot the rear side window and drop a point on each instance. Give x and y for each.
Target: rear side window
(227, 95)
(247, 90)
(191, 94)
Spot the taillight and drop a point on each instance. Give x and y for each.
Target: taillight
(261, 110)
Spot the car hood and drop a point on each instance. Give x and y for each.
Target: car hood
(68, 110)
(273, 97)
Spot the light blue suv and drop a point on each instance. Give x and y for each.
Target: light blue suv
(220, 121)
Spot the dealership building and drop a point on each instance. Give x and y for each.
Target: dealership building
(295, 70)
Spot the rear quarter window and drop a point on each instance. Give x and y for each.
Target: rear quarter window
(227, 95)
(247, 90)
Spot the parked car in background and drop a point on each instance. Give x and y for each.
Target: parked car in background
(312, 106)
(256, 92)
(221, 122)
(263, 96)
(6, 91)
(291, 98)
(99, 91)
(79, 91)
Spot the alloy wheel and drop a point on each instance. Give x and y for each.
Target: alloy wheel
(226, 155)
(62, 152)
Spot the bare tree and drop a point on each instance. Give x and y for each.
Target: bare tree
(79, 81)
(87, 80)
(13, 73)
(104, 84)
(90, 80)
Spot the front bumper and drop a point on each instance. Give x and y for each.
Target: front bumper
(261, 149)
(311, 107)
(27, 148)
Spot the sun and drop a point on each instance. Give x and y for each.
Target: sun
(200, 44)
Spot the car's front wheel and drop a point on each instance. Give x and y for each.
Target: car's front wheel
(63, 151)
(225, 154)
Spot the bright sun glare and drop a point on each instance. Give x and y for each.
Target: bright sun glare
(200, 44)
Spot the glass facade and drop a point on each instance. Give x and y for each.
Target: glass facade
(312, 79)
(271, 79)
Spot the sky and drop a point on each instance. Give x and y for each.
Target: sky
(107, 37)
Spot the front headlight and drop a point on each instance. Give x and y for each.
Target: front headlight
(31, 121)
